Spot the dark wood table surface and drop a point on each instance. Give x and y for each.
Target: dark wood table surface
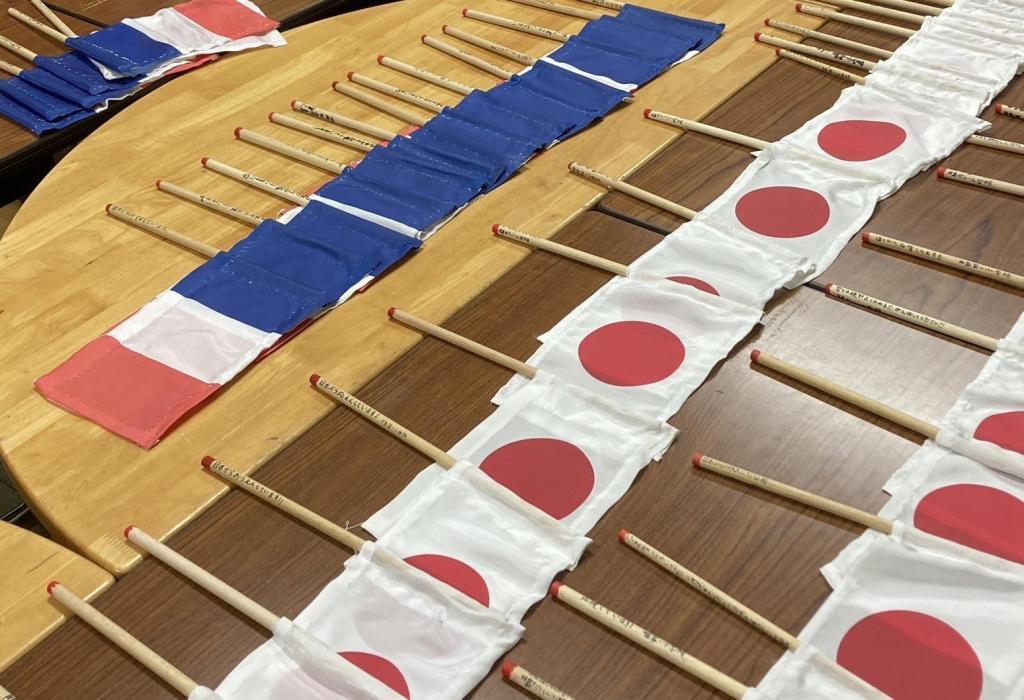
(765, 551)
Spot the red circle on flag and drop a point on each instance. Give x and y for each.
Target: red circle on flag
(553, 475)
(694, 282)
(631, 353)
(912, 656)
(380, 668)
(1004, 429)
(455, 573)
(981, 517)
(783, 212)
(861, 139)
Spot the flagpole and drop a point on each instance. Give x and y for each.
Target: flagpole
(396, 92)
(281, 148)
(120, 637)
(863, 22)
(987, 183)
(321, 132)
(18, 49)
(379, 104)
(706, 129)
(488, 45)
(828, 38)
(880, 11)
(535, 685)
(648, 640)
(564, 251)
(37, 25)
(423, 74)
(632, 190)
(6, 694)
(610, 4)
(342, 120)
(254, 181)
(715, 594)
(797, 47)
(1009, 111)
(466, 57)
(210, 203)
(823, 67)
(516, 25)
(53, 19)
(561, 9)
(922, 253)
(459, 341)
(159, 230)
(847, 395)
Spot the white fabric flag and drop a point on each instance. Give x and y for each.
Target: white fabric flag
(295, 665)
(886, 134)
(959, 23)
(806, 674)
(407, 629)
(643, 345)
(798, 203)
(987, 421)
(465, 530)
(944, 90)
(1013, 341)
(917, 622)
(954, 59)
(706, 259)
(947, 495)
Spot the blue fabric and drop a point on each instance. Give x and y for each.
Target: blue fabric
(705, 33)
(617, 35)
(450, 134)
(28, 119)
(44, 80)
(480, 109)
(331, 270)
(339, 230)
(434, 154)
(414, 212)
(596, 59)
(79, 70)
(558, 119)
(559, 84)
(124, 49)
(251, 294)
(45, 104)
(389, 170)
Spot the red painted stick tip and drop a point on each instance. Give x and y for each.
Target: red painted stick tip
(755, 356)
(444, 28)
(207, 461)
(828, 288)
(697, 459)
(391, 312)
(866, 236)
(51, 585)
(647, 113)
(423, 38)
(380, 58)
(464, 11)
(757, 36)
(767, 21)
(203, 160)
(623, 534)
(270, 116)
(292, 104)
(778, 52)
(128, 531)
(508, 668)
(349, 75)
(334, 84)
(157, 184)
(238, 130)
(107, 208)
(314, 379)
(999, 107)
(555, 586)
(941, 172)
(799, 7)
(494, 229)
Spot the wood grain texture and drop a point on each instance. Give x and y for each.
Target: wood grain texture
(110, 11)
(69, 272)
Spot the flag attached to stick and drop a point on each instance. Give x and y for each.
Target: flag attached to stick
(806, 674)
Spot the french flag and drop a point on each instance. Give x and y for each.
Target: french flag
(142, 45)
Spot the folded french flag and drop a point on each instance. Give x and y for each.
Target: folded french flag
(143, 45)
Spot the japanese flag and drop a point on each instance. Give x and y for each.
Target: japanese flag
(698, 255)
(806, 674)
(918, 622)
(800, 204)
(295, 665)
(467, 531)
(947, 495)
(642, 345)
(960, 23)
(944, 90)
(884, 134)
(987, 421)
(406, 629)
(972, 65)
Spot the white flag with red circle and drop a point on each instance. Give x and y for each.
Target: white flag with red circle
(948, 495)
(698, 255)
(944, 90)
(987, 421)
(467, 531)
(793, 201)
(406, 629)
(642, 345)
(806, 674)
(918, 621)
(963, 25)
(885, 134)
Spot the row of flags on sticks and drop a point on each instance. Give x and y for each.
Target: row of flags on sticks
(142, 376)
(119, 60)
(926, 603)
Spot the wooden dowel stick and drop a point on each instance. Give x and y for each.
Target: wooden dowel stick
(256, 181)
(342, 120)
(524, 27)
(987, 183)
(562, 250)
(880, 11)
(843, 394)
(828, 38)
(52, 18)
(535, 685)
(610, 4)
(704, 587)
(829, 13)
(647, 640)
(462, 342)
(7, 695)
(827, 505)
(202, 200)
(396, 92)
(161, 231)
(632, 190)
(706, 129)
(120, 637)
(202, 578)
(1010, 111)
(492, 46)
(996, 144)
(36, 24)
(797, 47)
(294, 152)
(13, 70)
(914, 317)
(322, 132)
(17, 48)
(823, 67)
(560, 8)
(377, 103)
(971, 266)
(466, 57)
(424, 74)
(299, 512)
(913, 7)
(410, 438)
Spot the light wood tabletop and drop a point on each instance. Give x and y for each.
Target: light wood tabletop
(68, 272)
